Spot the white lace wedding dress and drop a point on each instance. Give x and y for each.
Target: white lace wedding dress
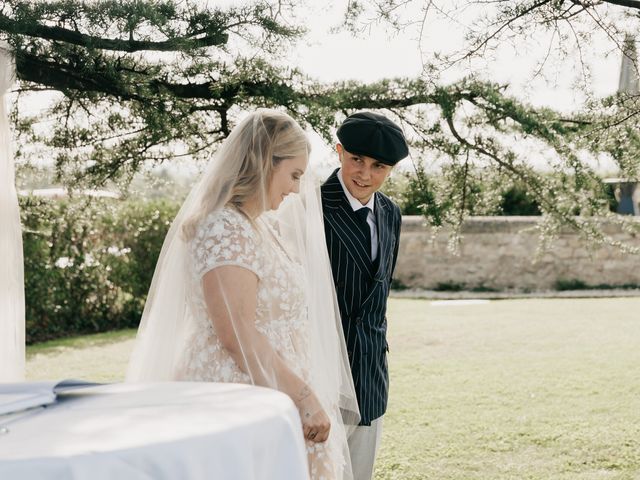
(226, 237)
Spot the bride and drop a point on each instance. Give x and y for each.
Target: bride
(242, 291)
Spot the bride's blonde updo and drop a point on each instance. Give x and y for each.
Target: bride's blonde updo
(273, 136)
(243, 167)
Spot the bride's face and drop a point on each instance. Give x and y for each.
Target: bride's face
(286, 179)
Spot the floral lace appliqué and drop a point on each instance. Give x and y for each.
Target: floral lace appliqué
(226, 237)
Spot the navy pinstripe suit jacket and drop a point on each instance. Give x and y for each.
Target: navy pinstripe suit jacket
(362, 288)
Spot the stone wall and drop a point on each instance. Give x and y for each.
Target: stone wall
(497, 253)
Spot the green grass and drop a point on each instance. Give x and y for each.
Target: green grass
(102, 357)
(514, 389)
(521, 389)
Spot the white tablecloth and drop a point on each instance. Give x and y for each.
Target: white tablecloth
(158, 431)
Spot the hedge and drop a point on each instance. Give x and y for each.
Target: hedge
(89, 262)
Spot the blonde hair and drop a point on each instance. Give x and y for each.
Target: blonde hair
(244, 165)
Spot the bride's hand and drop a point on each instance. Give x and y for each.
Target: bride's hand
(315, 422)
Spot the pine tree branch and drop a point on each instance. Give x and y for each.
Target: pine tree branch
(32, 68)
(178, 44)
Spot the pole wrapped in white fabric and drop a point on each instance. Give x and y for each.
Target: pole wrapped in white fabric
(12, 333)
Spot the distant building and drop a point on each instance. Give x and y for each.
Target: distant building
(626, 189)
(629, 73)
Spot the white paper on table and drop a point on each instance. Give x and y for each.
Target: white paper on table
(16, 397)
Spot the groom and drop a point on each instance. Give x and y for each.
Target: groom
(362, 228)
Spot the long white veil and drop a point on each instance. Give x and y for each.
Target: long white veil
(170, 315)
(12, 334)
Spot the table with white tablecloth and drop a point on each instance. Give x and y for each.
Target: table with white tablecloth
(174, 430)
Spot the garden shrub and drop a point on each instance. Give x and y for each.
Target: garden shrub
(88, 262)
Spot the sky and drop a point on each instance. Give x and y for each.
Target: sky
(380, 53)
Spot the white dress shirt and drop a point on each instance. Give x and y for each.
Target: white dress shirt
(371, 218)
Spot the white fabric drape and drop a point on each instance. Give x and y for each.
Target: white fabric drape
(12, 334)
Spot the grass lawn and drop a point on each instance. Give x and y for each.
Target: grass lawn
(512, 389)
(102, 357)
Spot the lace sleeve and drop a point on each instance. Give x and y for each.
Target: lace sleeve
(226, 238)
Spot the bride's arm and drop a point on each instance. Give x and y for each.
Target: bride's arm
(230, 293)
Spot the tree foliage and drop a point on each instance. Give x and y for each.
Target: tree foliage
(605, 128)
(568, 26)
(141, 81)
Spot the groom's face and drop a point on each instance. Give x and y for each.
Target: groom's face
(362, 175)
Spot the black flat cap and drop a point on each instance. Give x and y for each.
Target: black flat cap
(373, 135)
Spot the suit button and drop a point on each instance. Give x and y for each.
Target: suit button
(358, 319)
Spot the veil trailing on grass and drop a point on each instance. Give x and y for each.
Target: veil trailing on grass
(12, 334)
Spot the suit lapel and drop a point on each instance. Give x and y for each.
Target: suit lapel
(339, 215)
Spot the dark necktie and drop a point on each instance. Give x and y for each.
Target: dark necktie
(362, 215)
